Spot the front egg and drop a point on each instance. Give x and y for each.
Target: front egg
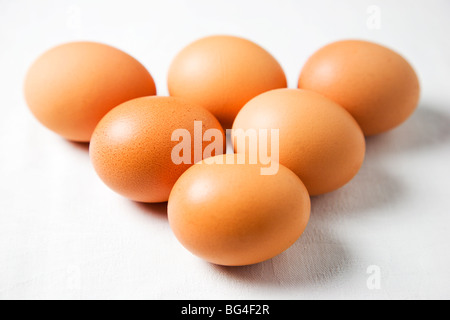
(230, 214)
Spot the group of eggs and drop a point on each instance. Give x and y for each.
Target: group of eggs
(224, 212)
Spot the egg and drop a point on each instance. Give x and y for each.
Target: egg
(222, 73)
(229, 214)
(375, 84)
(134, 148)
(316, 138)
(71, 87)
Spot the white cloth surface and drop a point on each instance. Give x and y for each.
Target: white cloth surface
(65, 235)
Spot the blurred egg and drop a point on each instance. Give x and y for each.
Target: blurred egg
(71, 87)
(375, 84)
(318, 140)
(222, 73)
(132, 146)
(229, 214)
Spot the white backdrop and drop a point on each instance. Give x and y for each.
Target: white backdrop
(65, 235)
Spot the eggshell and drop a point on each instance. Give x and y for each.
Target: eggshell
(375, 84)
(318, 140)
(71, 87)
(131, 148)
(230, 214)
(222, 73)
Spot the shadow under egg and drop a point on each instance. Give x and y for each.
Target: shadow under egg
(158, 210)
(317, 258)
(428, 127)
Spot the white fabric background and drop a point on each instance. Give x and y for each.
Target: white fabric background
(65, 235)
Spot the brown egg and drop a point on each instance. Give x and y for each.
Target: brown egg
(229, 214)
(222, 73)
(71, 87)
(375, 84)
(132, 146)
(318, 140)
